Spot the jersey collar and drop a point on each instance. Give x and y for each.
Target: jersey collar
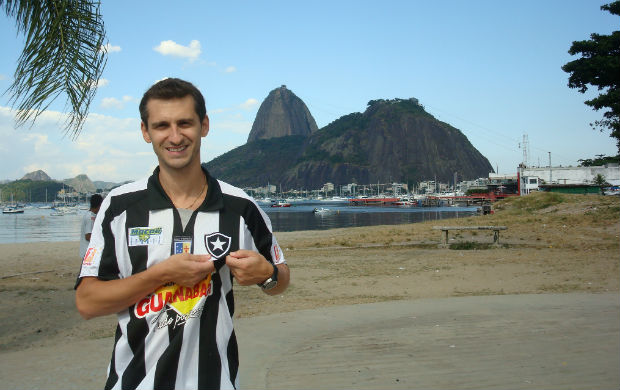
(158, 199)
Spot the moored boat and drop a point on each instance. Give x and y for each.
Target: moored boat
(281, 204)
(13, 210)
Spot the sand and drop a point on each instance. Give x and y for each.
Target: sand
(552, 247)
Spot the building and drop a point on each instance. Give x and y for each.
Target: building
(532, 178)
(478, 184)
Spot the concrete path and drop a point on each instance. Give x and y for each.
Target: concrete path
(564, 341)
(550, 341)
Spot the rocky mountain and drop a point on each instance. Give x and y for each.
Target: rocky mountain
(392, 141)
(37, 176)
(81, 184)
(281, 114)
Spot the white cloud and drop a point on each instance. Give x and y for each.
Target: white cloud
(41, 141)
(230, 69)
(171, 48)
(2, 77)
(110, 48)
(115, 103)
(111, 102)
(249, 104)
(108, 148)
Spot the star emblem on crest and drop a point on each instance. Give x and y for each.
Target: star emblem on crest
(217, 244)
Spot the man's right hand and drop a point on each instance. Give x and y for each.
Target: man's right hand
(185, 269)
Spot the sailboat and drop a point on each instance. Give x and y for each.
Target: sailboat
(46, 205)
(12, 208)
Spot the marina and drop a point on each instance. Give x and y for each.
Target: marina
(40, 224)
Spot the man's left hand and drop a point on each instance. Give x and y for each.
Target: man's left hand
(249, 267)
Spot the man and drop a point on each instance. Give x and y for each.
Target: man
(164, 252)
(88, 219)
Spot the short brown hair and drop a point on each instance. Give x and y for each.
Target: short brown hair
(173, 88)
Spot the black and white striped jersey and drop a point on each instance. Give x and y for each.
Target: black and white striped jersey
(176, 337)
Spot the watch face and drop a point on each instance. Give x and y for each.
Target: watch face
(269, 284)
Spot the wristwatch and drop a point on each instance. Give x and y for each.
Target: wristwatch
(271, 281)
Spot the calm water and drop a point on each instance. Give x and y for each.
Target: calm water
(37, 225)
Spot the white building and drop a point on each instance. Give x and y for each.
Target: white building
(532, 177)
(328, 187)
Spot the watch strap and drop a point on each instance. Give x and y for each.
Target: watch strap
(271, 281)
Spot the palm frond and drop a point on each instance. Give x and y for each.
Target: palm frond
(62, 55)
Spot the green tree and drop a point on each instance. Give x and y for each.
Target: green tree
(599, 66)
(600, 180)
(63, 55)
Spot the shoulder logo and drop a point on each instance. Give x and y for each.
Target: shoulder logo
(90, 255)
(217, 244)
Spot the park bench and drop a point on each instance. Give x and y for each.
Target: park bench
(446, 229)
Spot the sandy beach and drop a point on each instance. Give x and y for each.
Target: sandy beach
(559, 257)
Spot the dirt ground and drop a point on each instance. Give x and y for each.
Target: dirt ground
(553, 244)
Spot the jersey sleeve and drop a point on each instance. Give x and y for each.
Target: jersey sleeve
(264, 240)
(100, 258)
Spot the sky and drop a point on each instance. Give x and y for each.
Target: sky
(492, 69)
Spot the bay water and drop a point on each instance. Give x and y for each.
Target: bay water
(38, 225)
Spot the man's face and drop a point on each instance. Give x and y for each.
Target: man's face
(175, 131)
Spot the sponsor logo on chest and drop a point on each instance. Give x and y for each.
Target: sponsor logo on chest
(140, 236)
(173, 304)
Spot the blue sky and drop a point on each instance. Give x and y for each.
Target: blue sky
(489, 68)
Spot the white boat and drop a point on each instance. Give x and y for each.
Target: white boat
(321, 210)
(613, 191)
(60, 211)
(12, 210)
(336, 199)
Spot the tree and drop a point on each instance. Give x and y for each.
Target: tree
(63, 55)
(599, 160)
(599, 66)
(600, 180)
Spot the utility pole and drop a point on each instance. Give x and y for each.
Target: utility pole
(550, 169)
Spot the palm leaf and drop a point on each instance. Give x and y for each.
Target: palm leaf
(62, 55)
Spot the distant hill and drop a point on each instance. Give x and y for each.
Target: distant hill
(282, 114)
(37, 186)
(37, 176)
(392, 141)
(81, 184)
